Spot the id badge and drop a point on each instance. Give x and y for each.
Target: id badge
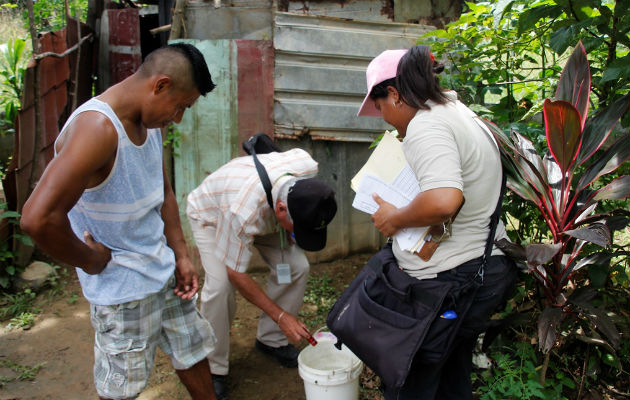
(284, 273)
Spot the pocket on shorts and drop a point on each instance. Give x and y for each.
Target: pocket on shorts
(120, 369)
(103, 318)
(106, 319)
(187, 337)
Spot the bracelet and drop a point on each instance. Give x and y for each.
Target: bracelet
(280, 316)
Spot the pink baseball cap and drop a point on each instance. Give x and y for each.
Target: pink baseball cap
(381, 68)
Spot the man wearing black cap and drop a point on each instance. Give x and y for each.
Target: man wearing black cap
(229, 213)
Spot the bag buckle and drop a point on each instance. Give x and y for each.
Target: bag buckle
(480, 271)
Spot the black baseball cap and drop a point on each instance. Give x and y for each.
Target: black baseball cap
(312, 206)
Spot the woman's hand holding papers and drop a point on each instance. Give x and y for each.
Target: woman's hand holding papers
(432, 207)
(383, 218)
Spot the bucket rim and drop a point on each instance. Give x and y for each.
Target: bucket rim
(333, 377)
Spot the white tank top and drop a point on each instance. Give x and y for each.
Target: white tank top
(123, 213)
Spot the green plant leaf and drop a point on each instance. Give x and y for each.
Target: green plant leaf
(598, 275)
(592, 259)
(597, 233)
(502, 6)
(25, 239)
(527, 150)
(613, 361)
(618, 69)
(554, 177)
(530, 17)
(513, 250)
(619, 219)
(584, 212)
(618, 189)
(523, 190)
(575, 82)
(541, 253)
(563, 36)
(601, 321)
(548, 326)
(582, 294)
(616, 155)
(563, 130)
(536, 179)
(529, 165)
(9, 214)
(597, 129)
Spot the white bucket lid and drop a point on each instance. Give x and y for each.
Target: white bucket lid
(325, 365)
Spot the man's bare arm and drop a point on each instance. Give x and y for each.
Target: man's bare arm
(87, 150)
(185, 272)
(292, 327)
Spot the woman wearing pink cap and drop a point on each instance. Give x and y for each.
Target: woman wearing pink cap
(458, 168)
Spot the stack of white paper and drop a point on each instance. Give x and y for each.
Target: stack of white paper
(387, 174)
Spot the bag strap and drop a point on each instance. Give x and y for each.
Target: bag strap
(494, 221)
(264, 177)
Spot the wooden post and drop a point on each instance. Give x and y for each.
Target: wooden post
(178, 20)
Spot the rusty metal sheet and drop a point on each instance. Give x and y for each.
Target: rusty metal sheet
(119, 51)
(319, 86)
(212, 130)
(57, 69)
(54, 83)
(320, 73)
(363, 10)
(255, 87)
(54, 73)
(208, 130)
(251, 20)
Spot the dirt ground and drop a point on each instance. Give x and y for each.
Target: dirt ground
(62, 339)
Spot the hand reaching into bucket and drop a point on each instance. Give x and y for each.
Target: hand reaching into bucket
(293, 328)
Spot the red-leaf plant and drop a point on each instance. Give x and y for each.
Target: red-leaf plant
(564, 195)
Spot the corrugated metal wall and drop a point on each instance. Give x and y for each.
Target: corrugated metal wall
(208, 131)
(236, 19)
(241, 105)
(361, 10)
(318, 85)
(320, 73)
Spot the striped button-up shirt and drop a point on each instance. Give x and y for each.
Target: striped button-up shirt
(233, 201)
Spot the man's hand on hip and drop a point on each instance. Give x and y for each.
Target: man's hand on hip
(103, 255)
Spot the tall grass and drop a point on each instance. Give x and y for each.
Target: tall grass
(11, 24)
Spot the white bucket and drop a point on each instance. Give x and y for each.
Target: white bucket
(329, 373)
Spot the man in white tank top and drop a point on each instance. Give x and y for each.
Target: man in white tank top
(104, 204)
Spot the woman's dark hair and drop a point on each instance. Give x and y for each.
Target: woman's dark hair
(416, 79)
(380, 90)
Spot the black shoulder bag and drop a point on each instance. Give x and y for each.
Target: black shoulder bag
(261, 143)
(386, 316)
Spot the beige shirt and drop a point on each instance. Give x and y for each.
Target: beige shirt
(232, 200)
(446, 147)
